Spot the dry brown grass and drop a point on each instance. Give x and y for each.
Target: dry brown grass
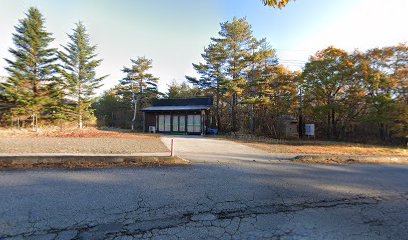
(88, 140)
(72, 133)
(344, 159)
(83, 164)
(323, 147)
(342, 149)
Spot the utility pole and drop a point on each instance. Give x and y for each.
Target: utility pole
(300, 112)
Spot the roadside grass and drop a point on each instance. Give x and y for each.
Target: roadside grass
(332, 148)
(348, 159)
(307, 147)
(78, 141)
(73, 132)
(84, 162)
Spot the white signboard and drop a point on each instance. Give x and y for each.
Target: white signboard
(309, 129)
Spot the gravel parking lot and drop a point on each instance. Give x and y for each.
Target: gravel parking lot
(81, 145)
(88, 142)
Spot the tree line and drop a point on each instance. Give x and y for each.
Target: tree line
(359, 95)
(47, 83)
(59, 86)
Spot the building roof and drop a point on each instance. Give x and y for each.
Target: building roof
(206, 101)
(181, 104)
(176, 108)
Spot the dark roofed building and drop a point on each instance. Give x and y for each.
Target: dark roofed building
(178, 115)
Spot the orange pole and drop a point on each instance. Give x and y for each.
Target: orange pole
(172, 148)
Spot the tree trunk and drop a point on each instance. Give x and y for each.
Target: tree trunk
(234, 112)
(80, 105)
(217, 107)
(329, 134)
(328, 126)
(333, 120)
(218, 115)
(251, 113)
(33, 122)
(36, 123)
(134, 116)
(135, 107)
(60, 124)
(382, 134)
(251, 119)
(80, 120)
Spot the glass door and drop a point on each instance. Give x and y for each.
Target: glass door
(197, 123)
(175, 123)
(167, 123)
(182, 123)
(190, 123)
(161, 123)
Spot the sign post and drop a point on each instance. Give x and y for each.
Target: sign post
(310, 130)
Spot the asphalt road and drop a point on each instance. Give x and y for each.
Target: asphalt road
(230, 191)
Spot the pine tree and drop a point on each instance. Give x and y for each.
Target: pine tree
(261, 61)
(78, 71)
(182, 90)
(237, 39)
(60, 108)
(140, 84)
(212, 79)
(32, 68)
(228, 67)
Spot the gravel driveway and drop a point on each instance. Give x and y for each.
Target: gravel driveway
(213, 150)
(226, 195)
(81, 145)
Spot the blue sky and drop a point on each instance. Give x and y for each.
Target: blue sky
(174, 33)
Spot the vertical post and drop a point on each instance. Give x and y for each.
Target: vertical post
(172, 148)
(202, 122)
(144, 122)
(185, 123)
(157, 123)
(300, 113)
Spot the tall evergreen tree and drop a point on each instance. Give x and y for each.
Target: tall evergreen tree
(60, 108)
(32, 68)
(237, 39)
(182, 90)
(78, 71)
(212, 76)
(139, 84)
(233, 69)
(261, 61)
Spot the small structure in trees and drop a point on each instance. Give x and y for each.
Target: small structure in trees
(178, 115)
(287, 126)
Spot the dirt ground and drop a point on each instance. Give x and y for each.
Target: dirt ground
(90, 141)
(327, 148)
(83, 163)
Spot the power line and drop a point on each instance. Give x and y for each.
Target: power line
(302, 62)
(291, 50)
(292, 60)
